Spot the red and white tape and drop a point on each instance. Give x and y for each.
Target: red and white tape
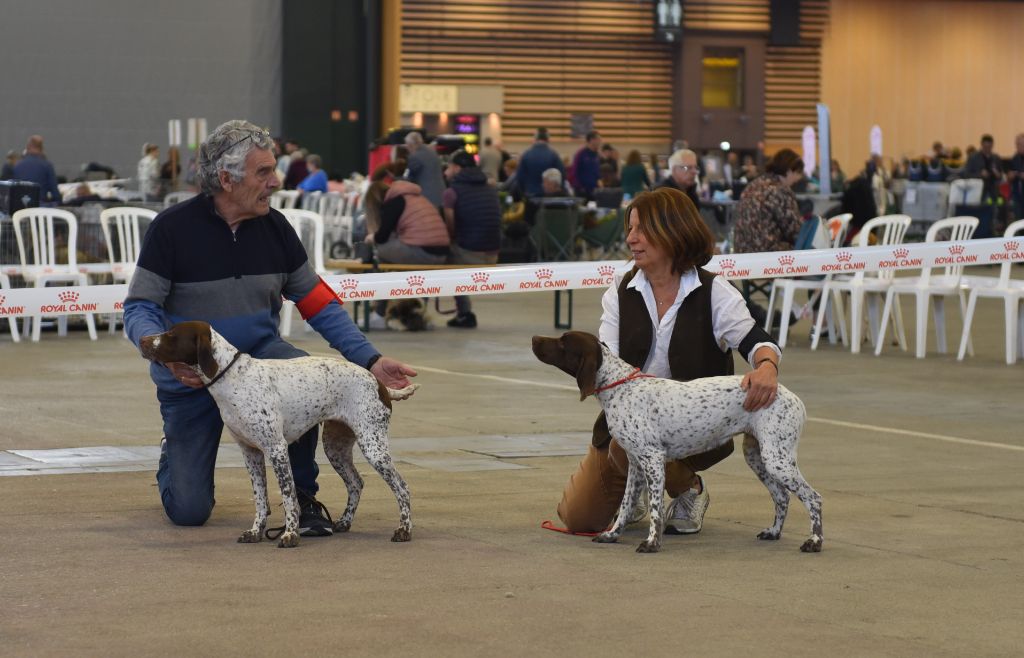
(562, 276)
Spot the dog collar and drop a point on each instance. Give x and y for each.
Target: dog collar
(636, 374)
(220, 374)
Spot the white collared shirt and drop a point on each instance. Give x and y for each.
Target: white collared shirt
(730, 319)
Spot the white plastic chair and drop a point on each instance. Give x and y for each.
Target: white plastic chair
(1011, 291)
(46, 265)
(928, 286)
(124, 238)
(311, 200)
(12, 323)
(336, 210)
(284, 199)
(964, 191)
(127, 196)
(837, 227)
(890, 230)
(310, 228)
(174, 198)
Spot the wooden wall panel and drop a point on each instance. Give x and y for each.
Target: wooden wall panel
(925, 70)
(554, 59)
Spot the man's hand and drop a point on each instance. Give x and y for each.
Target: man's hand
(761, 385)
(185, 374)
(392, 373)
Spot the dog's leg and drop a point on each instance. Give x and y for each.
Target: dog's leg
(258, 474)
(338, 440)
(374, 444)
(653, 468)
(752, 453)
(786, 472)
(630, 498)
(278, 456)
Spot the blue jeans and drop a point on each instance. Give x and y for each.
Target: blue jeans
(192, 426)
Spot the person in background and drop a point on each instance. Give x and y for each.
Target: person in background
(284, 156)
(987, 166)
(1015, 175)
(767, 215)
(490, 161)
(472, 213)
(316, 179)
(148, 172)
(654, 173)
(34, 167)
(586, 166)
(183, 273)
(670, 318)
(297, 169)
(7, 172)
(170, 170)
(682, 176)
(406, 227)
(534, 162)
(425, 168)
(634, 175)
(610, 157)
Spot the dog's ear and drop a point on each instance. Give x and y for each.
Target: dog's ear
(586, 376)
(204, 354)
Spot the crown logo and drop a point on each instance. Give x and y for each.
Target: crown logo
(606, 270)
(415, 280)
(786, 260)
(957, 249)
(544, 273)
(349, 284)
(68, 296)
(1011, 246)
(901, 253)
(480, 277)
(727, 263)
(844, 257)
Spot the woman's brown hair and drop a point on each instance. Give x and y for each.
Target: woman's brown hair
(372, 203)
(784, 162)
(634, 158)
(670, 221)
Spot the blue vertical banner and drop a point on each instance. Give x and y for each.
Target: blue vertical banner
(824, 150)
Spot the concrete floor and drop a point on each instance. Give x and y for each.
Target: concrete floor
(919, 463)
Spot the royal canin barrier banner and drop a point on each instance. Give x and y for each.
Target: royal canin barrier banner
(562, 276)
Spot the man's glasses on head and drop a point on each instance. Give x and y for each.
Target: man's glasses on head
(264, 133)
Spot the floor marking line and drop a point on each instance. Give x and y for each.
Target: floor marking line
(826, 421)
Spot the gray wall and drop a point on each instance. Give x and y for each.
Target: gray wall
(98, 78)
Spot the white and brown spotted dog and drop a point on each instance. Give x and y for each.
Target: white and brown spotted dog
(655, 420)
(268, 403)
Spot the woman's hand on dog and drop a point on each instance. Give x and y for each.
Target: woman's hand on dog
(392, 373)
(761, 385)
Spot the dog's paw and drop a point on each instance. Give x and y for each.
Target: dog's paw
(401, 535)
(606, 538)
(768, 534)
(288, 540)
(250, 537)
(812, 545)
(342, 525)
(648, 547)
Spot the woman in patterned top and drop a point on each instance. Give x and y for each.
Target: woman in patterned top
(767, 217)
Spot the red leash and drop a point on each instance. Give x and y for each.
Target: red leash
(548, 525)
(636, 374)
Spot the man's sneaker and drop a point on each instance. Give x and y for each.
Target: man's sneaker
(464, 321)
(685, 513)
(377, 321)
(314, 519)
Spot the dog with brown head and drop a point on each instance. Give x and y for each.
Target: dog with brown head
(575, 353)
(185, 342)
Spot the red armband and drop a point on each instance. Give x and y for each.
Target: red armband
(320, 296)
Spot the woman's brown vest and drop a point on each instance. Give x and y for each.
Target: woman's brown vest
(692, 352)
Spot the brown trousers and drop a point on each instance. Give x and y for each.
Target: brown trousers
(595, 490)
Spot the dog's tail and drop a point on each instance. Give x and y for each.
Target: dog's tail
(403, 393)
